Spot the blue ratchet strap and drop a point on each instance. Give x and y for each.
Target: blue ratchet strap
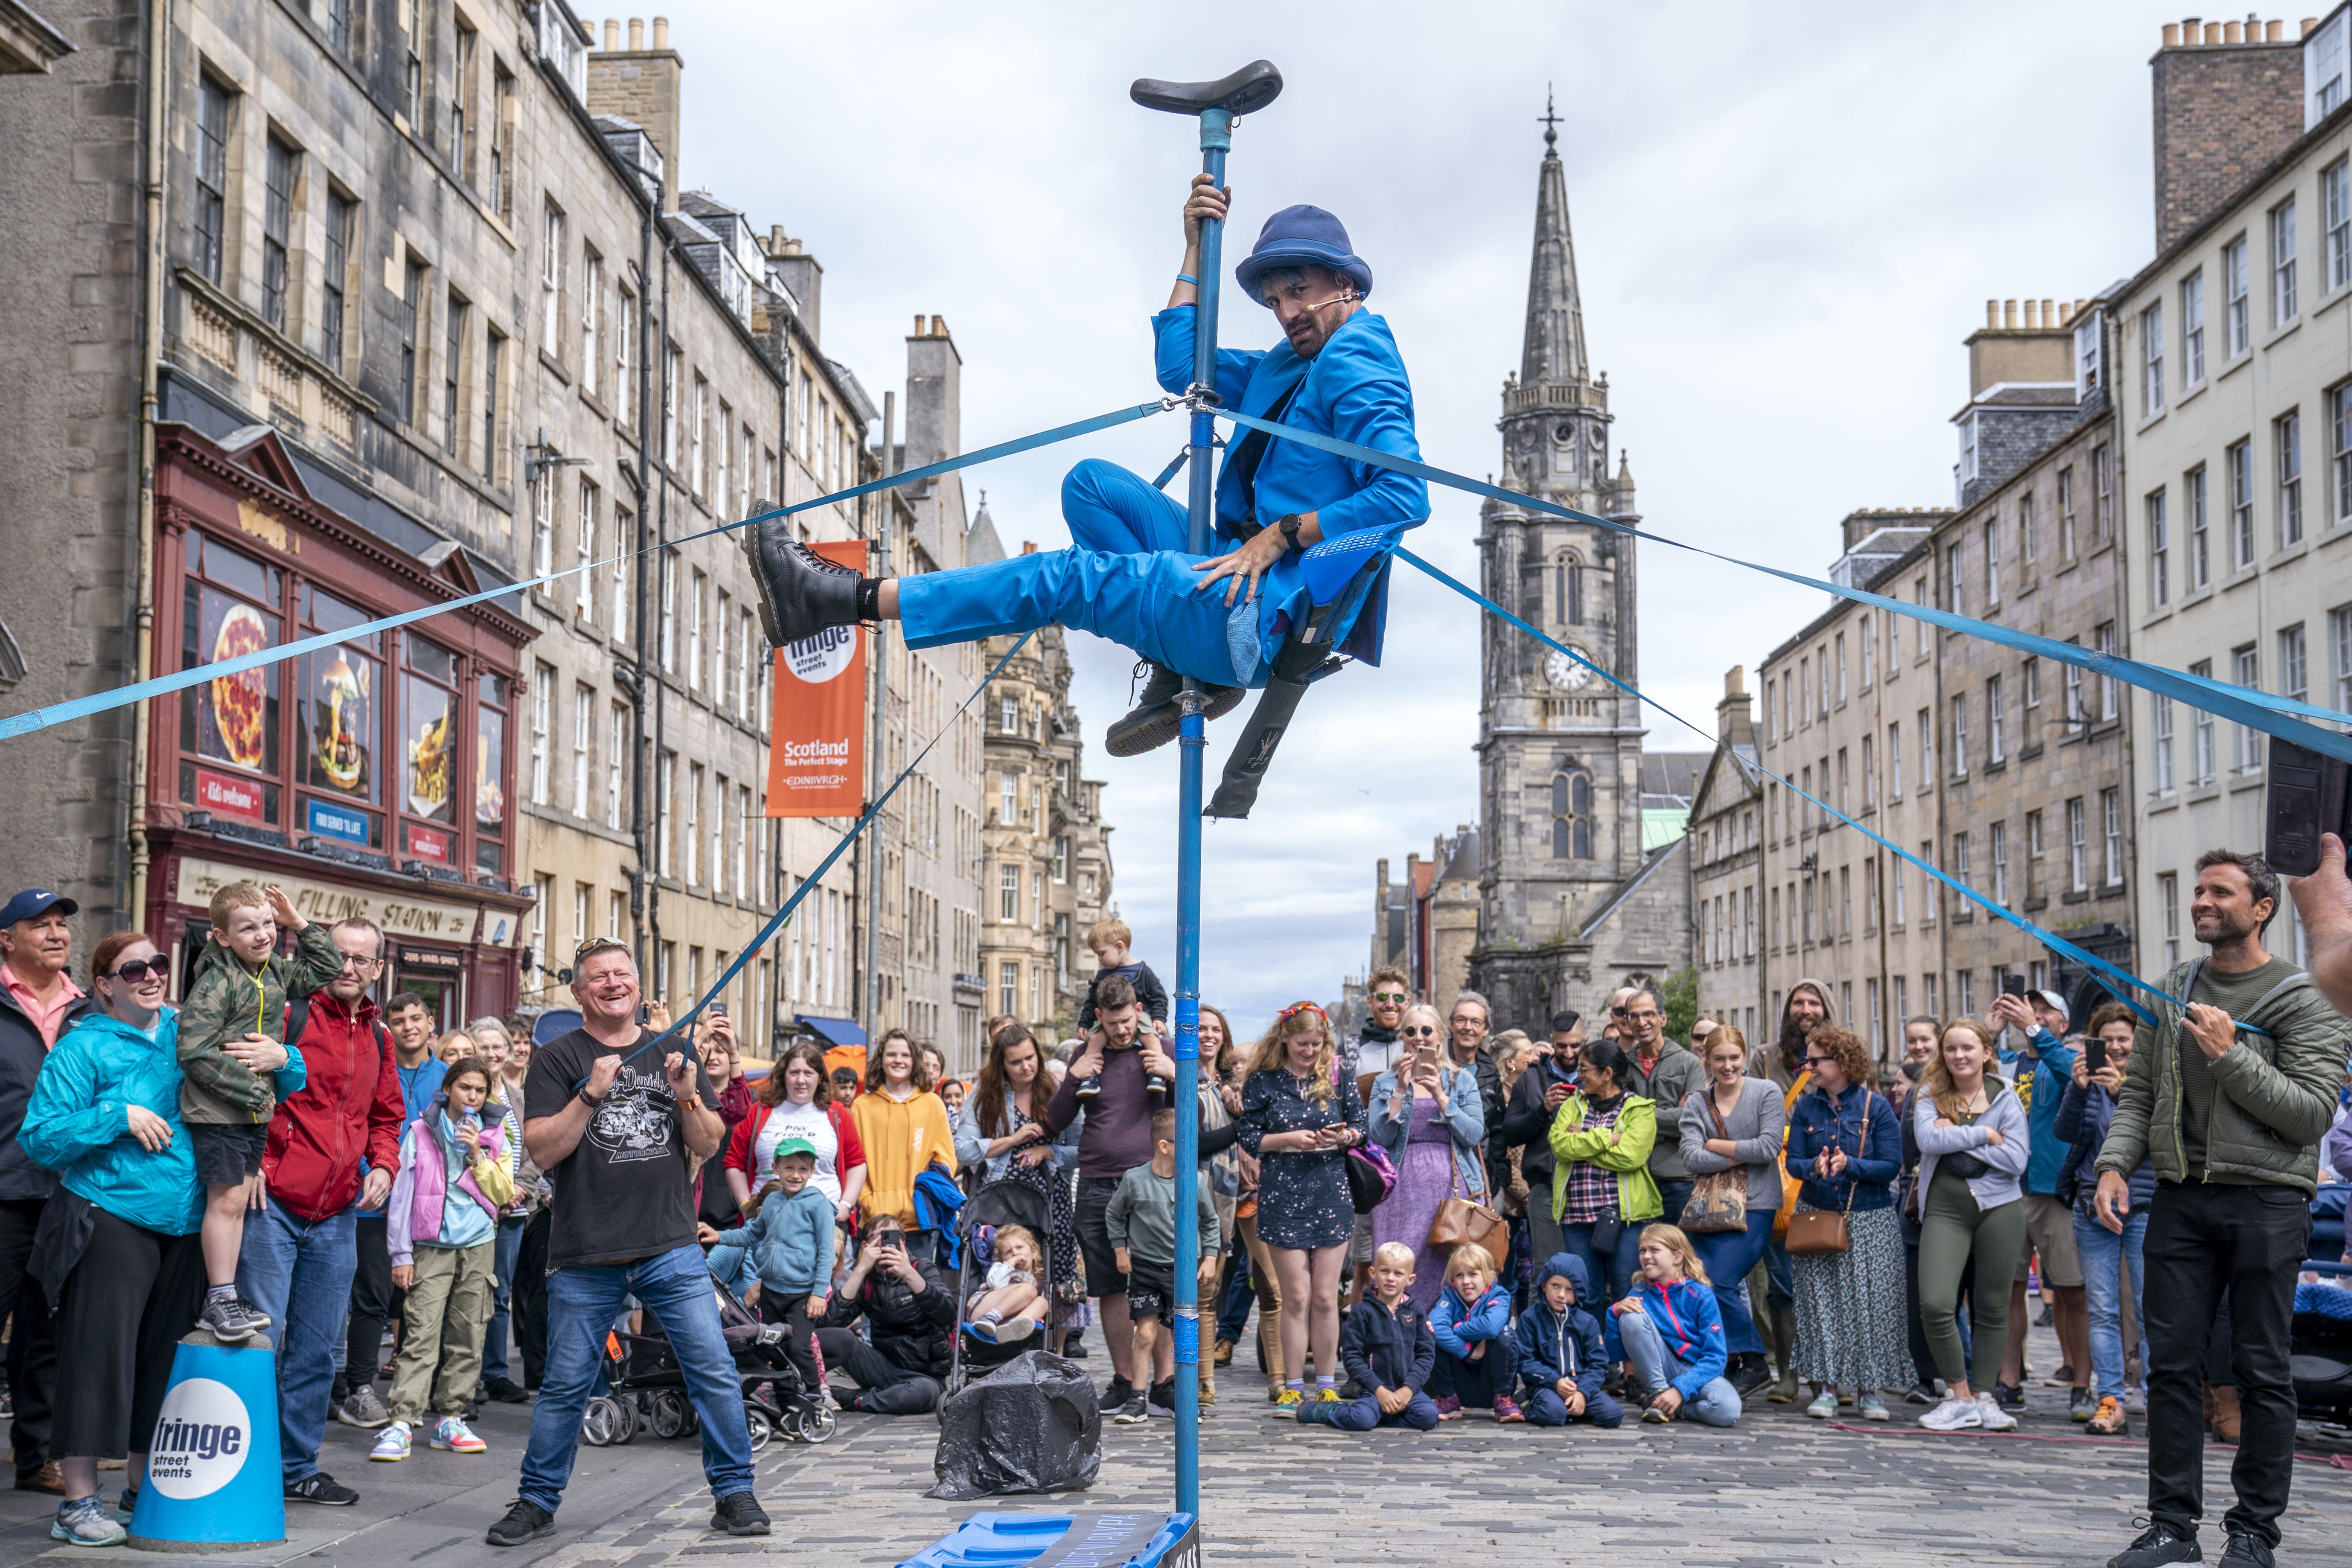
(35, 718)
(2116, 980)
(2279, 716)
(775, 924)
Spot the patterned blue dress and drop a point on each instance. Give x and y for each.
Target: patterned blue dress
(1302, 1195)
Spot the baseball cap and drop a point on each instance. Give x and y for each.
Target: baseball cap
(2055, 1002)
(792, 1146)
(34, 902)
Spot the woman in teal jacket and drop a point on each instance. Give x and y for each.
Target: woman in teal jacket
(117, 1250)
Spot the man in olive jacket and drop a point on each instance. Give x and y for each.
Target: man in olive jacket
(2229, 1098)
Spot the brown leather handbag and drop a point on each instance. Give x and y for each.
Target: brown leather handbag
(1813, 1232)
(1718, 1203)
(1460, 1221)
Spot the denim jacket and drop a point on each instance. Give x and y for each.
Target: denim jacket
(1816, 1123)
(1465, 1119)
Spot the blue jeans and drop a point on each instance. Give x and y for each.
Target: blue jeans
(2104, 1253)
(581, 1302)
(1614, 1270)
(509, 1250)
(1126, 577)
(299, 1272)
(1545, 1407)
(1656, 1366)
(1730, 1256)
(1363, 1415)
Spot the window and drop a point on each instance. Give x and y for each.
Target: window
(1919, 596)
(2167, 903)
(1805, 688)
(1968, 465)
(698, 453)
(336, 17)
(1959, 737)
(592, 322)
(624, 526)
(2339, 639)
(2159, 551)
(2200, 551)
(212, 175)
(1926, 730)
(2202, 760)
(1008, 897)
(2151, 359)
(1841, 667)
(1952, 578)
(1821, 658)
(2110, 836)
(666, 634)
(2078, 851)
(693, 835)
(453, 360)
(276, 222)
(2066, 513)
(1869, 650)
(2339, 431)
(2028, 547)
(718, 839)
(2245, 669)
(551, 281)
(1008, 988)
(1997, 846)
(542, 702)
(1571, 817)
(748, 656)
(1869, 773)
(2160, 723)
(411, 306)
(542, 523)
(2087, 353)
(2294, 674)
(501, 188)
(1959, 867)
(617, 756)
(701, 590)
(2282, 300)
(2033, 697)
(2076, 713)
(718, 448)
(461, 101)
(1898, 873)
(746, 827)
(2335, 213)
(1894, 762)
(2103, 485)
(2288, 435)
(1008, 803)
(2192, 328)
(335, 263)
(583, 552)
(718, 623)
(624, 349)
(1568, 590)
(494, 371)
(2240, 460)
(583, 744)
(1933, 890)
(2237, 324)
(1996, 723)
(1845, 785)
(412, 69)
(1992, 565)
(2103, 637)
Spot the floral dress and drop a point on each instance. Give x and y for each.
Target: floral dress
(1302, 1195)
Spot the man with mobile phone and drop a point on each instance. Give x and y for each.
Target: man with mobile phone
(2044, 1067)
(1528, 1116)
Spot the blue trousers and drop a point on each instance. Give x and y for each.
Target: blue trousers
(1545, 1407)
(299, 1272)
(1363, 1415)
(1126, 577)
(1612, 1271)
(2104, 1253)
(581, 1302)
(1729, 1256)
(507, 1253)
(1476, 1382)
(1654, 1366)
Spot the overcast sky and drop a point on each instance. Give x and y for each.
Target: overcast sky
(1787, 218)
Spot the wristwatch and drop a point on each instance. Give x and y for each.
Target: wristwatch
(590, 1102)
(1290, 524)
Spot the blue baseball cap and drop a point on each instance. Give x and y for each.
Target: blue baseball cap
(35, 901)
(1296, 236)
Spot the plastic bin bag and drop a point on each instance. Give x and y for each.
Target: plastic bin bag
(1031, 1425)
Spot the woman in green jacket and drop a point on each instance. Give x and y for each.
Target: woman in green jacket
(1600, 1187)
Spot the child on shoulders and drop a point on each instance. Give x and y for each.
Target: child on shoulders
(1477, 1360)
(1388, 1349)
(1672, 1332)
(1562, 1359)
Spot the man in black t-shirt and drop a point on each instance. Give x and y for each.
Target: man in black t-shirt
(613, 1123)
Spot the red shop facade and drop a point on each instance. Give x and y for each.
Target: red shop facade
(372, 777)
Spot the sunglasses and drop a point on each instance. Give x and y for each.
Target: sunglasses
(1820, 1061)
(1425, 1030)
(1391, 997)
(139, 970)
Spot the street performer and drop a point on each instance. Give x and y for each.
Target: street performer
(1128, 575)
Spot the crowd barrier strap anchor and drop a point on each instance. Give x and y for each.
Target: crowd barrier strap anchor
(213, 1482)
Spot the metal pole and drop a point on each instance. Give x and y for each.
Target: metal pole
(1216, 138)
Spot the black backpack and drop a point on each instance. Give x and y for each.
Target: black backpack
(298, 1018)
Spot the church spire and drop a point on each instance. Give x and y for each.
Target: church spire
(1554, 349)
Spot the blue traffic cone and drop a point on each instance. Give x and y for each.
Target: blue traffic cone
(213, 1475)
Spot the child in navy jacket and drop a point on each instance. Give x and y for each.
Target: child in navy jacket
(1477, 1360)
(1561, 1357)
(1672, 1331)
(1387, 1347)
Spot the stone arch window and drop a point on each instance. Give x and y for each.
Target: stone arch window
(1567, 589)
(1571, 814)
(12, 658)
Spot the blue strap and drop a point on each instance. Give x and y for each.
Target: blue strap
(768, 931)
(2255, 710)
(164, 685)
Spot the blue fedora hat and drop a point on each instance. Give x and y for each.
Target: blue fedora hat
(1296, 236)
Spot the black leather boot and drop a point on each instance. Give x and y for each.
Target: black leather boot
(1155, 719)
(801, 592)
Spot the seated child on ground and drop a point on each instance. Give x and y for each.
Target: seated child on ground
(1141, 1221)
(1562, 1360)
(1672, 1331)
(1008, 1306)
(1477, 1360)
(1388, 1349)
(789, 1242)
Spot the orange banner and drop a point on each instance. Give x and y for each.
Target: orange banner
(816, 759)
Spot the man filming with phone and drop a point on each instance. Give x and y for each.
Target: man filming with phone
(2228, 1097)
(2044, 1066)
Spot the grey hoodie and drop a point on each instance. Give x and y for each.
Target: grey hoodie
(1764, 1060)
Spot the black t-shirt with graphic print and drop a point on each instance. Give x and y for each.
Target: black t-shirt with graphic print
(626, 1190)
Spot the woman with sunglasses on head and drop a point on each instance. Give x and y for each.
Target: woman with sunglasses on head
(1846, 1147)
(1427, 1113)
(117, 1250)
(1298, 1123)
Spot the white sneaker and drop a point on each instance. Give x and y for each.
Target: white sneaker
(1991, 1415)
(1954, 1415)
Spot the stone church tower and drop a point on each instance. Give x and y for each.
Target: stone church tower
(1571, 904)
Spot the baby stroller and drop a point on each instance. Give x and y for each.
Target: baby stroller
(646, 1388)
(1005, 1200)
(2319, 1345)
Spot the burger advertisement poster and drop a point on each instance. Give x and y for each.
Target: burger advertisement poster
(338, 725)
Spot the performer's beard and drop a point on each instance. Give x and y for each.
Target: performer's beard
(1793, 1030)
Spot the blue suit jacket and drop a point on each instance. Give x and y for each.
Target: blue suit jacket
(1354, 389)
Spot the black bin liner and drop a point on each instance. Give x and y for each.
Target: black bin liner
(1031, 1425)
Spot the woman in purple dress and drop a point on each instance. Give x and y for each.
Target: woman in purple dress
(1426, 1113)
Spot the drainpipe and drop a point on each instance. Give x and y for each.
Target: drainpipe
(647, 434)
(651, 872)
(151, 353)
(880, 708)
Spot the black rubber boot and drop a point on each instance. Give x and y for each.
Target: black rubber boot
(801, 592)
(1155, 719)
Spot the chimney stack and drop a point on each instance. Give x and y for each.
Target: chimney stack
(1735, 723)
(2229, 99)
(934, 394)
(644, 86)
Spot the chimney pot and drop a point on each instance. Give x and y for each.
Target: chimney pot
(661, 32)
(2309, 23)
(1028, 547)
(2034, 314)
(2048, 314)
(2078, 306)
(2172, 35)
(939, 326)
(2233, 32)
(1992, 314)
(2212, 32)
(636, 33)
(2189, 31)
(2275, 32)
(1733, 680)
(612, 34)
(2009, 315)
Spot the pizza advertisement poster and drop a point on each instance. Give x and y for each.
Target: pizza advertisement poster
(427, 749)
(338, 722)
(237, 715)
(816, 760)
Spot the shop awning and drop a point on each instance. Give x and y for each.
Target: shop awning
(832, 1031)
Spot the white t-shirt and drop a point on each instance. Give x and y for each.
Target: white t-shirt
(811, 1121)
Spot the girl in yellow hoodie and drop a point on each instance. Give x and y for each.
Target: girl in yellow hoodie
(904, 1127)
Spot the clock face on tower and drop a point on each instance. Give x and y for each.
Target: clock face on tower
(1565, 672)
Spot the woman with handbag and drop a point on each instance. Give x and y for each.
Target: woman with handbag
(1601, 1190)
(1427, 1113)
(1731, 1137)
(1299, 1124)
(1973, 1146)
(1846, 1248)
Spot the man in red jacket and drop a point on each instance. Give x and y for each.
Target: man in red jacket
(333, 1150)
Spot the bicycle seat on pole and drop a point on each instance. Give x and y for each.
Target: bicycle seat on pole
(1248, 90)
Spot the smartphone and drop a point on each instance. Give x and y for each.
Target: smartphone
(2094, 1054)
(718, 1009)
(2309, 796)
(2012, 985)
(645, 1014)
(1426, 1056)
